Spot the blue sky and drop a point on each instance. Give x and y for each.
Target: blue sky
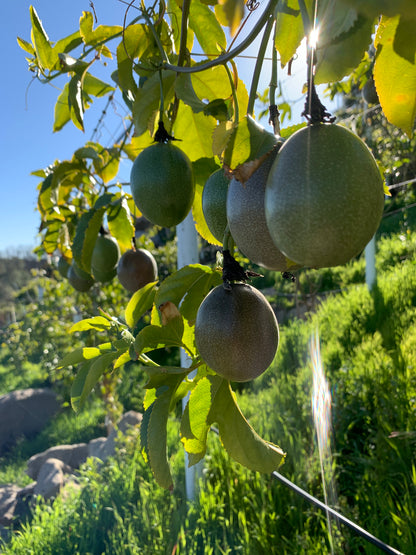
(27, 140)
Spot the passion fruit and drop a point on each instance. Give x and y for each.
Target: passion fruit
(214, 198)
(247, 219)
(105, 256)
(324, 196)
(236, 332)
(369, 92)
(80, 280)
(162, 184)
(136, 268)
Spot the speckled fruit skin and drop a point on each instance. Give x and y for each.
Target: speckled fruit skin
(247, 219)
(236, 332)
(105, 257)
(214, 198)
(162, 184)
(136, 268)
(324, 196)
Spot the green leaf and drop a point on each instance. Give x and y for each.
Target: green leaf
(76, 101)
(88, 377)
(175, 16)
(47, 58)
(195, 132)
(136, 40)
(68, 43)
(94, 37)
(94, 86)
(289, 30)
(62, 109)
(122, 359)
(140, 302)
(26, 46)
(85, 237)
(98, 323)
(196, 293)
(153, 433)
(405, 39)
(390, 8)
(241, 442)
(395, 77)
(147, 100)
(248, 141)
(184, 91)
(195, 422)
(340, 56)
(107, 164)
(232, 12)
(175, 286)
(155, 337)
(84, 354)
(120, 222)
(207, 30)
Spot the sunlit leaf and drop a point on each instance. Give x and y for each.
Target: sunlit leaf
(83, 354)
(202, 169)
(196, 294)
(26, 46)
(195, 132)
(68, 43)
(102, 33)
(207, 30)
(140, 302)
(155, 337)
(175, 16)
(120, 223)
(289, 30)
(195, 423)
(95, 87)
(395, 78)
(76, 101)
(390, 8)
(98, 323)
(62, 109)
(175, 286)
(232, 12)
(136, 40)
(46, 56)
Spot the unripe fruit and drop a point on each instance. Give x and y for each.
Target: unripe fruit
(324, 196)
(104, 258)
(247, 219)
(136, 268)
(214, 198)
(369, 92)
(236, 332)
(80, 280)
(162, 184)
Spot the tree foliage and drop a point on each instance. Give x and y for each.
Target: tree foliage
(203, 103)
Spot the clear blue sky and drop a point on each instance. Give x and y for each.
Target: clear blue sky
(27, 140)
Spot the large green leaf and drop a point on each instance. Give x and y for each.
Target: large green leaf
(395, 77)
(88, 377)
(195, 132)
(84, 354)
(140, 302)
(96, 37)
(339, 56)
(175, 286)
(136, 40)
(96, 87)
(68, 43)
(46, 56)
(231, 13)
(62, 109)
(390, 8)
(241, 442)
(120, 223)
(147, 100)
(76, 101)
(153, 433)
(196, 293)
(85, 237)
(155, 337)
(97, 323)
(289, 29)
(207, 30)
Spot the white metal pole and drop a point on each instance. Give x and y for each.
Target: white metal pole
(370, 263)
(188, 254)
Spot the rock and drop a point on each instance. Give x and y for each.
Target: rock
(25, 412)
(71, 455)
(51, 478)
(102, 447)
(8, 502)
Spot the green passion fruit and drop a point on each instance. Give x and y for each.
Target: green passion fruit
(162, 184)
(369, 92)
(105, 256)
(247, 219)
(214, 198)
(236, 332)
(324, 196)
(136, 268)
(80, 280)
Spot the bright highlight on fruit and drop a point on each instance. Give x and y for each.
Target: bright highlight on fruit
(324, 196)
(162, 184)
(236, 332)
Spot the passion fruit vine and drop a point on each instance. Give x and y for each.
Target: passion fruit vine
(236, 332)
(324, 196)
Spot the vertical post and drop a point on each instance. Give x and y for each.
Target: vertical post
(188, 254)
(370, 263)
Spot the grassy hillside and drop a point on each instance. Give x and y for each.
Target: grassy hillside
(368, 348)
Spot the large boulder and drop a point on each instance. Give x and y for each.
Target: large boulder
(24, 413)
(8, 502)
(71, 455)
(51, 478)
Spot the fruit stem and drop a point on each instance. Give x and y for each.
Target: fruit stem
(259, 64)
(273, 109)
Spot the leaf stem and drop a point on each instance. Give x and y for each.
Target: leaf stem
(234, 93)
(259, 64)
